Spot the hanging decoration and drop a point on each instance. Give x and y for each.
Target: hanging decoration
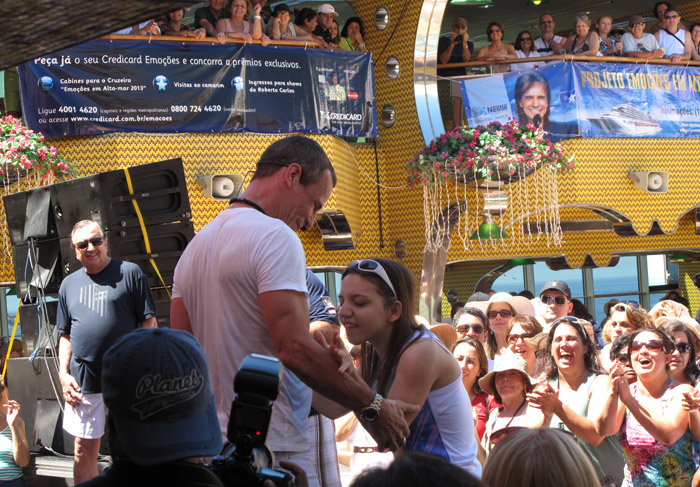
(493, 156)
(26, 161)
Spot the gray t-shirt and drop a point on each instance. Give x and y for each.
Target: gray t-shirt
(647, 43)
(95, 310)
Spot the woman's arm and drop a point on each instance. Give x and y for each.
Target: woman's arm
(256, 31)
(299, 33)
(510, 52)
(273, 30)
(666, 427)
(345, 426)
(593, 45)
(482, 54)
(691, 402)
(568, 44)
(422, 366)
(20, 447)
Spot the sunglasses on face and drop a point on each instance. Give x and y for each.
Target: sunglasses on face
(514, 338)
(494, 30)
(652, 345)
(557, 299)
(525, 39)
(622, 358)
(683, 347)
(671, 16)
(505, 313)
(369, 265)
(635, 24)
(83, 244)
(478, 329)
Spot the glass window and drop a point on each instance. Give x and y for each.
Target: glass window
(616, 280)
(511, 281)
(600, 304)
(656, 270)
(573, 277)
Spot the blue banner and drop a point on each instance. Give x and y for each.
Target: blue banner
(591, 99)
(158, 86)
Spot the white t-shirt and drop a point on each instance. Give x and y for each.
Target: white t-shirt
(647, 43)
(520, 67)
(220, 275)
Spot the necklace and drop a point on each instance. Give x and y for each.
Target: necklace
(246, 201)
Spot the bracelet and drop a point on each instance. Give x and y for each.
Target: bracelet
(256, 16)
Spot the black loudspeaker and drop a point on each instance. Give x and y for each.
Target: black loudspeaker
(51, 211)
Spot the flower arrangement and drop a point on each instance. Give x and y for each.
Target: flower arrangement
(495, 151)
(23, 150)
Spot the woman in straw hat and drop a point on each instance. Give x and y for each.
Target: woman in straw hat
(509, 383)
(572, 396)
(499, 310)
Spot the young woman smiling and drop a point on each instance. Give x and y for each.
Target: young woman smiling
(402, 360)
(649, 414)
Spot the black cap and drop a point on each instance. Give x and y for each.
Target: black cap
(281, 7)
(557, 286)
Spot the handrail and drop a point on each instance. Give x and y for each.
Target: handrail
(209, 40)
(570, 57)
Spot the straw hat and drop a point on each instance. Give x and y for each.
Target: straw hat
(520, 304)
(506, 361)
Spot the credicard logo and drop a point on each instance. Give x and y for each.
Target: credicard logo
(155, 394)
(341, 116)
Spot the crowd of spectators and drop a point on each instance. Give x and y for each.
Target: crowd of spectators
(669, 38)
(255, 21)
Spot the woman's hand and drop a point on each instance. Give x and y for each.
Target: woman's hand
(246, 37)
(264, 40)
(545, 398)
(12, 412)
(257, 9)
(337, 350)
(221, 36)
(200, 33)
(691, 401)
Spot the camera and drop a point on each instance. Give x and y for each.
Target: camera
(459, 38)
(245, 461)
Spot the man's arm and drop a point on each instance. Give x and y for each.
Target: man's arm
(71, 389)
(151, 322)
(179, 319)
(286, 316)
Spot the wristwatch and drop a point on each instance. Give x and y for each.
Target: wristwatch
(371, 412)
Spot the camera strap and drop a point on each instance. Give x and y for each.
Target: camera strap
(249, 203)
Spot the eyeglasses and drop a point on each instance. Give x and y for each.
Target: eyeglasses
(369, 265)
(683, 347)
(478, 329)
(653, 345)
(526, 39)
(505, 313)
(622, 358)
(495, 30)
(83, 244)
(671, 16)
(557, 299)
(513, 339)
(635, 24)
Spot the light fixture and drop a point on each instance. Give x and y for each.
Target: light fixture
(221, 187)
(519, 262)
(478, 3)
(488, 230)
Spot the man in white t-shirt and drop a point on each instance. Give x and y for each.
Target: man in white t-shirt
(548, 44)
(675, 42)
(240, 288)
(638, 44)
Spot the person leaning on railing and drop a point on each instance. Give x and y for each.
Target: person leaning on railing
(173, 26)
(695, 37)
(207, 16)
(352, 37)
(674, 40)
(281, 28)
(497, 50)
(639, 44)
(237, 27)
(584, 42)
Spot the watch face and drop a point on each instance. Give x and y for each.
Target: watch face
(370, 414)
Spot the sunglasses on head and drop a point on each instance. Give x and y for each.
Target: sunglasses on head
(505, 313)
(83, 244)
(653, 345)
(557, 299)
(683, 347)
(369, 265)
(514, 338)
(478, 329)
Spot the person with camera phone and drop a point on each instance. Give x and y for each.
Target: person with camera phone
(403, 360)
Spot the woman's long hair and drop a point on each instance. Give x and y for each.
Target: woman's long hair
(373, 371)
(550, 366)
(483, 361)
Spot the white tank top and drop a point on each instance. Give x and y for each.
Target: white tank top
(671, 44)
(445, 425)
